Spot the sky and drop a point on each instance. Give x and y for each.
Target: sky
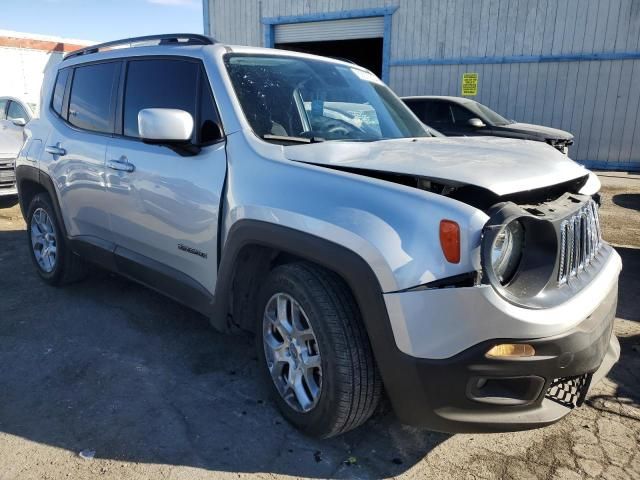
(101, 20)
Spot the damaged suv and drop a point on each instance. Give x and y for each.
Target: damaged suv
(296, 197)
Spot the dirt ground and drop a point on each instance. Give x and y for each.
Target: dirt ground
(110, 367)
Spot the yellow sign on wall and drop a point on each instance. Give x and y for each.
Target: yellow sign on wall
(469, 84)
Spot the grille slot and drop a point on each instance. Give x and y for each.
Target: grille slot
(7, 173)
(580, 240)
(569, 391)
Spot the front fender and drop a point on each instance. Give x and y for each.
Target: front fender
(394, 228)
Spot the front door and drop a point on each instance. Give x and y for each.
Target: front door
(163, 202)
(11, 138)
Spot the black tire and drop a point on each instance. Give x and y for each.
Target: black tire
(68, 266)
(351, 384)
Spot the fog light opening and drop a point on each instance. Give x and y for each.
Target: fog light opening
(511, 350)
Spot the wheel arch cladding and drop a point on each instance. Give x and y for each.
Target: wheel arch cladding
(284, 244)
(31, 181)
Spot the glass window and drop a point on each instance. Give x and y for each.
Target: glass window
(417, 107)
(438, 113)
(461, 115)
(487, 115)
(159, 84)
(90, 99)
(17, 111)
(209, 120)
(58, 90)
(301, 97)
(3, 109)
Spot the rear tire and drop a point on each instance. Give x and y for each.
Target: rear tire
(346, 382)
(55, 262)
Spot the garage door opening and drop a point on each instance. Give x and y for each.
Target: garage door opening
(366, 52)
(359, 40)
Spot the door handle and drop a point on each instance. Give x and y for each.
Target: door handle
(122, 165)
(55, 150)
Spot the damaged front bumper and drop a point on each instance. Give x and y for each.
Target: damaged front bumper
(446, 382)
(472, 393)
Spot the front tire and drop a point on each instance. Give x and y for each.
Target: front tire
(55, 262)
(315, 351)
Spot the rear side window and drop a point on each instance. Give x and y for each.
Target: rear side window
(158, 83)
(90, 98)
(3, 109)
(58, 90)
(417, 107)
(17, 111)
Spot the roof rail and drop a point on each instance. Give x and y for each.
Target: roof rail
(163, 39)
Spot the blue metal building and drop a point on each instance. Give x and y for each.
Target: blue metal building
(569, 64)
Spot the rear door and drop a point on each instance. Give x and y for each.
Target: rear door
(164, 204)
(84, 104)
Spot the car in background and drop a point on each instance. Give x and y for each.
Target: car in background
(457, 116)
(14, 115)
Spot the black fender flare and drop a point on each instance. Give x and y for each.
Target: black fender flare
(28, 173)
(353, 269)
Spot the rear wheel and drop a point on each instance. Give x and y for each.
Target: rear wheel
(315, 351)
(55, 263)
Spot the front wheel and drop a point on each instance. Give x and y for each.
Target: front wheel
(315, 351)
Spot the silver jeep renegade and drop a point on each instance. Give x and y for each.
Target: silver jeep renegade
(296, 197)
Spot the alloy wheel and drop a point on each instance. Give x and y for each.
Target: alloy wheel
(43, 240)
(292, 352)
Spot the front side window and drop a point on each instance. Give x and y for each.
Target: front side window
(158, 83)
(17, 111)
(485, 113)
(297, 97)
(3, 109)
(90, 98)
(438, 113)
(461, 115)
(58, 90)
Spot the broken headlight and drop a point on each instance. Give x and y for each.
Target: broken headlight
(506, 251)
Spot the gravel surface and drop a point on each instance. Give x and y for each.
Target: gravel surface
(106, 379)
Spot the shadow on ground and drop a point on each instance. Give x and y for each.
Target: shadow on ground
(627, 200)
(629, 284)
(110, 366)
(8, 202)
(626, 400)
(625, 373)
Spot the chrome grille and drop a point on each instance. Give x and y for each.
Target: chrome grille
(580, 240)
(7, 173)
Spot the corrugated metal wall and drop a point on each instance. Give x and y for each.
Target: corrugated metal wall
(538, 76)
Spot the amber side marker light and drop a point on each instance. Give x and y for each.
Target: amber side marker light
(450, 240)
(511, 350)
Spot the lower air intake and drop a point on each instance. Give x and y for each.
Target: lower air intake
(569, 391)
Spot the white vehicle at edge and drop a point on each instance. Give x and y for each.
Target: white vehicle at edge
(467, 277)
(14, 115)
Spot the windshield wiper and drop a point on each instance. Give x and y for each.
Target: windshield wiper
(286, 138)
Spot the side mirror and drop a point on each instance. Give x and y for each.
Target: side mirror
(165, 125)
(20, 122)
(475, 123)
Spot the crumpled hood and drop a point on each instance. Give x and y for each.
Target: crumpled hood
(547, 132)
(501, 165)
